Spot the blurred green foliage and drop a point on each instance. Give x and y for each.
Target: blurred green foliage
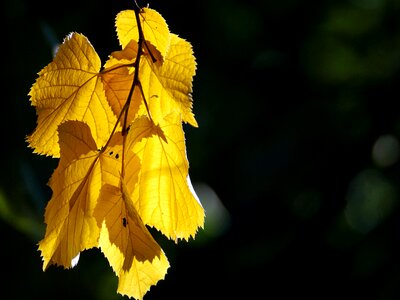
(295, 159)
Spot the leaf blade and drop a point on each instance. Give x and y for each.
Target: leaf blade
(70, 226)
(163, 196)
(155, 30)
(69, 89)
(134, 255)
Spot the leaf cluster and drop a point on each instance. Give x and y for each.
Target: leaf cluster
(117, 131)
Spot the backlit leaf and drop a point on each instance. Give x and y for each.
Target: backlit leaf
(117, 79)
(132, 252)
(76, 183)
(169, 87)
(155, 30)
(164, 197)
(69, 89)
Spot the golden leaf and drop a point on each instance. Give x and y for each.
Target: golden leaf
(71, 227)
(132, 252)
(163, 196)
(166, 87)
(155, 30)
(69, 89)
(169, 87)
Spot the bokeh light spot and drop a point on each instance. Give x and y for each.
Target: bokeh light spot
(217, 216)
(370, 199)
(385, 151)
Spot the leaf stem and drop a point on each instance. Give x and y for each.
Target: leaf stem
(136, 81)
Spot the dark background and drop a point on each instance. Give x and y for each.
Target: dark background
(295, 159)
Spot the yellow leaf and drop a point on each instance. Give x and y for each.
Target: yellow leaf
(69, 88)
(90, 208)
(76, 185)
(164, 196)
(70, 225)
(125, 57)
(168, 87)
(169, 83)
(117, 78)
(132, 252)
(155, 30)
